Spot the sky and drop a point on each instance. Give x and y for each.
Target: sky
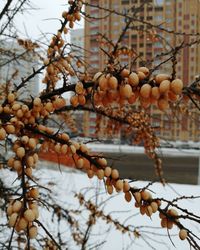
(43, 19)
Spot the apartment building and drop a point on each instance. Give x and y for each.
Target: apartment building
(178, 22)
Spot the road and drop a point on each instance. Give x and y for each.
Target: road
(177, 169)
(179, 165)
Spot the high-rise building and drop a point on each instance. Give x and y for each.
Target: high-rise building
(158, 26)
(17, 63)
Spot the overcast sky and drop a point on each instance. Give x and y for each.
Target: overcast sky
(44, 19)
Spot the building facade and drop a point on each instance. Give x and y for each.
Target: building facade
(16, 64)
(178, 22)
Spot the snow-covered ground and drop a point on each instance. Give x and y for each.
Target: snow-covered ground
(69, 182)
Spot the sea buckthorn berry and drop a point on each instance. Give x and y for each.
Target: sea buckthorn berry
(164, 86)
(20, 152)
(145, 90)
(97, 76)
(133, 79)
(9, 210)
(176, 86)
(110, 189)
(128, 196)
(33, 231)
(155, 93)
(125, 91)
(173, 212)
(141, 75)
(119, 185)
(145, 195)
(115, 174)
(161, 77)
(103, 83)
(102, 162)
(17, 205)
(113, 82)
(138, 197)
(107, 171)
(10, 129)
(2, 134)
(144, 70)
(183, 234)
(24, 139)
(163, 104)
(13, 219)
(34, 193)
(100, 174)
(22, 224)
(149, 211)
(29, 215)
(37, 101)
(126, 186)
(125, 73)
(11, 97)
(154, 206)
(32, 143)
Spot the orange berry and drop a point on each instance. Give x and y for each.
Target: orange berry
(32, 143)
(154, 206)
(37, 101)
(20, 152)
(119, 185)
(141, 75)
(81, 100)
(144, 70)
(22, 224)
(9, 210)
(103, 83)
(163, 104)
(29, 215)
(10, 129)
(74, 101)
(176, 86)
(145, 90)
(173, 212)
(161, 77)
(110, 189)
(79, 88)
(145, 195)
(183, 234)
(128, 196)
(125, 91)
(13, 219)
(164, 86)
(17, 205)
(34, 193)
(133, 79)
(2, 134)
(125, 73)
(33, 232)
(149, 211)
(97, 76)
(107, 171)
(113, 82)
(100, 174)
(138, 197)
(155, 93)
(115, 174)
(126, 186)
(80, 163)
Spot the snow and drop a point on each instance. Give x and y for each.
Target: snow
(140, 150)
(69, 182)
